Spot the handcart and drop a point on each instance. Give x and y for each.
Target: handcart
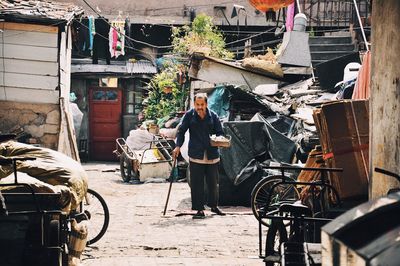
(34, 228)
(140, 165)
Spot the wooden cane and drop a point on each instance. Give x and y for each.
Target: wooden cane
(171, 179)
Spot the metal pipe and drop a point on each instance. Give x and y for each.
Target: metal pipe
(298, 5)
(361, 26)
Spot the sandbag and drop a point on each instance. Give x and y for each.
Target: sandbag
(139, 139)
(50, 166)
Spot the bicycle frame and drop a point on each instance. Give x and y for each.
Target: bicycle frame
(321, 183)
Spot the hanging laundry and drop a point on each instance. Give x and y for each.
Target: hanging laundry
(290, 16)
(127, 32)
(362, 87)
(92, 32)
(117, 38)
(100, 42)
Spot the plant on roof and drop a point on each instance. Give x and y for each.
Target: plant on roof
(167, 94)
(200, 36)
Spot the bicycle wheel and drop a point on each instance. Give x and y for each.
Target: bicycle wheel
(99, 216)
(281, 193)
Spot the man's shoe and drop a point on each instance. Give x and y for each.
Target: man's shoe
(217, 211)
(199, 215)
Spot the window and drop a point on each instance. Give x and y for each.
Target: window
(105, 95)
(134, 97)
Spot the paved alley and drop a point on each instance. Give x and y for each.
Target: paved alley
(138, 234)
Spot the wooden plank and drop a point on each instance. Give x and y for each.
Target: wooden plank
(30, 38)
(28, 27)
(63, 67)
(217, 72)
(25, 95)
(297, 70)
(15, 51)
(28, 81)
(29, 67)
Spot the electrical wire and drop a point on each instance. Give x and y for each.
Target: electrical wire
(170, 46)
(180, 7)
(129, 38)
(250, 37)
(126, 46)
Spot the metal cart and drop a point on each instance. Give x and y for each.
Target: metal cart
(140, 165)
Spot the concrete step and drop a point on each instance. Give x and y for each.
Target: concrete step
(328, 55)
(330, 40)
(331, 47)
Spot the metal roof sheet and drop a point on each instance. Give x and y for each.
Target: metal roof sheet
(39, 9)
(138, 67)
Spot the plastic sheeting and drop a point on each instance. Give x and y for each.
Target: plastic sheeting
(250, 141)
(219, 100)
(139, 139)
(50, 166)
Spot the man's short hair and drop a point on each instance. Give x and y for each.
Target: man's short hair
(200, 96)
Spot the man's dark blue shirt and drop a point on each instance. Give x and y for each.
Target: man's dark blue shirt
(200, 131)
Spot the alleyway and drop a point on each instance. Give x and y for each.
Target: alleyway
(139, 235)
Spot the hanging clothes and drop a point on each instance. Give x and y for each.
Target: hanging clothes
(127, 32)
(362, 87)
(117, 38)
(92, 32)
(290, 17)
(100, 42)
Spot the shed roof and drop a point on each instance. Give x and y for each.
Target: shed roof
(119, 67)
(39, 10)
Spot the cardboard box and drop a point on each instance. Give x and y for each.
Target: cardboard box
(344, 133)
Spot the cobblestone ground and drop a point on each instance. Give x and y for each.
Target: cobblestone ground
(140, 235)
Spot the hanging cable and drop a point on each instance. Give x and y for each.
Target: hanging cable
(129, 38)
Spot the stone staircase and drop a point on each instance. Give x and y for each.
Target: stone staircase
(325, 48)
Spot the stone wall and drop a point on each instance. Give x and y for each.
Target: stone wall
(41, 121)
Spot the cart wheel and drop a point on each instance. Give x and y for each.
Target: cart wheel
(281, 193)
(126, 168)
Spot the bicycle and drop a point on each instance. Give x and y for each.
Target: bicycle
(99, 215)
(262, 191)
(277, 207)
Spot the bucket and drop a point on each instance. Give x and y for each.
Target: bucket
(78, 238)
(300, 22)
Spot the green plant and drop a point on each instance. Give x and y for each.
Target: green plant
(167, 95)
(200, 36)
(162, 102)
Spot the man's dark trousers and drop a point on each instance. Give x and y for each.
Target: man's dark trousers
(199, 172)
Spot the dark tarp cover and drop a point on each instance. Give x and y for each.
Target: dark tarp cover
(252, 139)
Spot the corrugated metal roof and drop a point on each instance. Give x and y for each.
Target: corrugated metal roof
(39, 9)
(139, 67)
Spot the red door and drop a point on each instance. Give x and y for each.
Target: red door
(104, 122)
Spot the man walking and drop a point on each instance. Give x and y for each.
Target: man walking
(203, 158)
